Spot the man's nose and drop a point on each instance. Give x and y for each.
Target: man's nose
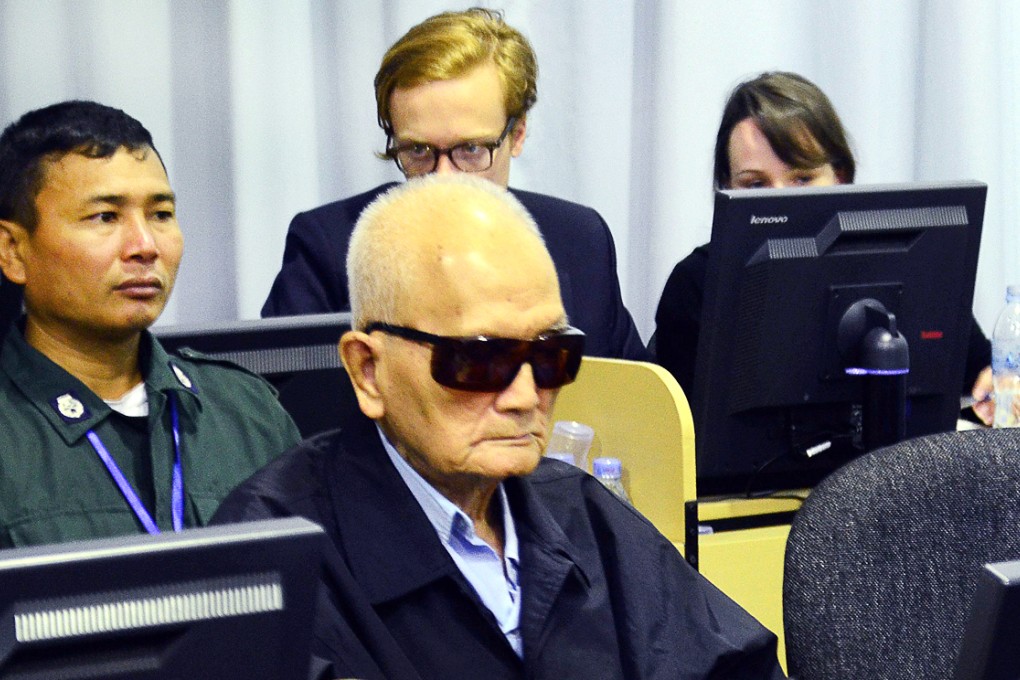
(139, 240)
(522, 393)
(444, 165)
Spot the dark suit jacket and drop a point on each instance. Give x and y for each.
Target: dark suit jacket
(313, 278)
(604, 594)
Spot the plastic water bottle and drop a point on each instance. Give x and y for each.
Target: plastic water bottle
(1006, 360)
(569, 442)
(609, 471)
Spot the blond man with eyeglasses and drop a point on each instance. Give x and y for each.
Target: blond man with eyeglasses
(453, 96)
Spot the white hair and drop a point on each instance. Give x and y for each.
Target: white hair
(377, 265)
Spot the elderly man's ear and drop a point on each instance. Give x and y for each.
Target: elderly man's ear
(359, 352)
(11, 237)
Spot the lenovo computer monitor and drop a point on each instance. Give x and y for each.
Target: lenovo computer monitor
(232, 603)
(297, 354)
(990, 648)
(797, 280)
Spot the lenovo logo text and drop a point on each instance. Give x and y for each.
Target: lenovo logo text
(770, 219)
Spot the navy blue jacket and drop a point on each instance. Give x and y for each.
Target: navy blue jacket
(313, 279)
(604, 594)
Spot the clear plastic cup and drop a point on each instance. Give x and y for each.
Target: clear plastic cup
(565, 457)
(571, 438)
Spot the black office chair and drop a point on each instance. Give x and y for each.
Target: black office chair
(883, 558)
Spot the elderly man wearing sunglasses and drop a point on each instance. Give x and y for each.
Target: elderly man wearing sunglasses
(457, 551)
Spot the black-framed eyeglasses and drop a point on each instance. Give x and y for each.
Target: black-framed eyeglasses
(418, 158)
(488, 364)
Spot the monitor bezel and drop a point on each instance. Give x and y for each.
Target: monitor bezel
(990, 646)
(88, 579)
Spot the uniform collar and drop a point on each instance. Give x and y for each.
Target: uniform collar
(71, 408)
(164, 372)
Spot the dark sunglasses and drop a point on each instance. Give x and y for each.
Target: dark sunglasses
(485, 364)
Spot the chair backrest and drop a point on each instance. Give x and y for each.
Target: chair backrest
(883, 558)
(641, 416)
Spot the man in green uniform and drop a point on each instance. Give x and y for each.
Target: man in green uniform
(101, 431)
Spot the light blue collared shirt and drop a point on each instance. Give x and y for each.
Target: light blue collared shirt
(496, 582)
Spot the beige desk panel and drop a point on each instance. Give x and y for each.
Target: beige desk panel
(747, 565)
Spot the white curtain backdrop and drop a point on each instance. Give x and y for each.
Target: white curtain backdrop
(263, 108)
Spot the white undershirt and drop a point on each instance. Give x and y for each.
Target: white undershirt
(134, 402)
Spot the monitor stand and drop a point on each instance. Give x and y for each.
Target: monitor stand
(872, 348)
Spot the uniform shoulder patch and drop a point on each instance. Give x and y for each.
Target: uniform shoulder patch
(198, 357)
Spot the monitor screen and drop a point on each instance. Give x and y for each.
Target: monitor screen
(990, 648)
(297, 354)
(774, 406)
(232, 602)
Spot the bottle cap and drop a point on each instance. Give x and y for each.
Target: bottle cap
(607, 467)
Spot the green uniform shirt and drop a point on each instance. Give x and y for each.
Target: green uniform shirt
(53, 485)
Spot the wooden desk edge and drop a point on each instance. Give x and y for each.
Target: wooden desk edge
(710, 509)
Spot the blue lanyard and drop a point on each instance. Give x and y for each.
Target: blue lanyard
(128, 491)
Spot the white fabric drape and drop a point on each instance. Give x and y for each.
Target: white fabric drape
(262, 108)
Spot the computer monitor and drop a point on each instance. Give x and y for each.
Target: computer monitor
(232, 602)
(990, 648)
(797, 281)
(297, 354)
